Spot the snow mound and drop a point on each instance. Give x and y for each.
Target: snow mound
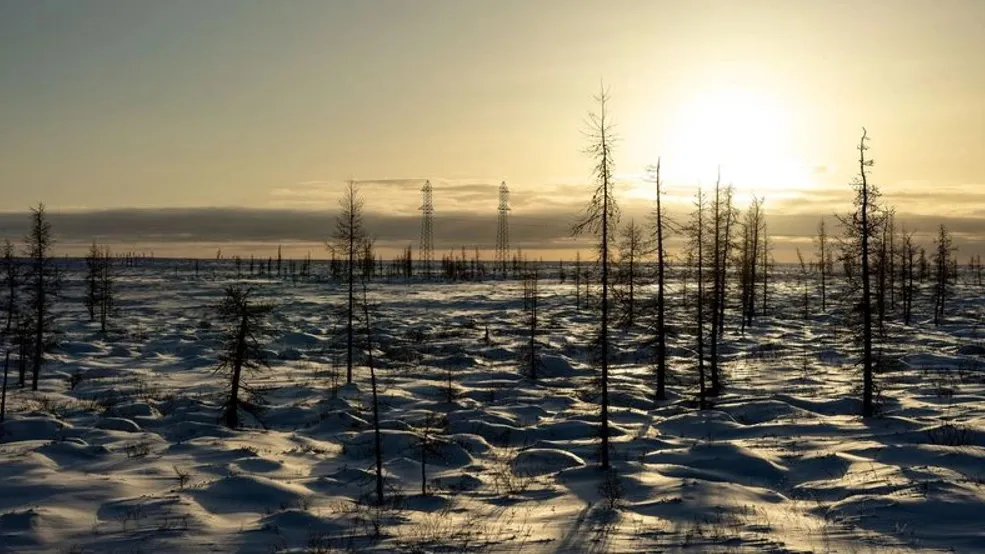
(296, 339)
(27, 530)
(573, 429)
(259, 465)
(76, 348)
(299, 522)
(542, 461)
(118, 351)
(752, 412)
(557, 366)
(455, 483)
(721, 462)
(971, 350)
(334, 423)
(635, 400)
(71, 452)
(494, 433)
(397, 443)
(31, 429)
(249, 493)
(118, 424)
(698, 425)
(193, 429)
(134, 409)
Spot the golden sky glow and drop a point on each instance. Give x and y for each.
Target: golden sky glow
(113, 104)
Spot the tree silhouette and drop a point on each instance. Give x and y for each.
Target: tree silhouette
(244, 322)
(43, 284)
(660, 228)
(943, 275)
(348, 243)
(861, 229)
(600, 218)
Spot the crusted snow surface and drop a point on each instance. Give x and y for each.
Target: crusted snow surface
(122, 448)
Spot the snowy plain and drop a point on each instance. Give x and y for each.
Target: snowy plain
(121, 449)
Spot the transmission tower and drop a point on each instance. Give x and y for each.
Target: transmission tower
(503, 233)
(426, 253)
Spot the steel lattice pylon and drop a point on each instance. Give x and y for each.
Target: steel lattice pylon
(503, 232)
(426, 253)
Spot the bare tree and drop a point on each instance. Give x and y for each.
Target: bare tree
(43, 284)
(10, 267)
(908, 289)
(92, 281)
(923, 266)
(377, 436)
(601, 217)
(883, 252)
(766, 263)
(753, 229)
(659, 228)
(861, 230)
(107, 288)
(578, 280)
(427, 444)
(721, 225)
(824, 261)
(244, 322)
(348, 243)
(805, 280)
(698, 238)
(3, 389)
(99, 285)
(632, 248)
(530, 355)
(943, 274)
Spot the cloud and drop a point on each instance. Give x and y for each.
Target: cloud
(466, 215)
(198, 225)
(403, 196)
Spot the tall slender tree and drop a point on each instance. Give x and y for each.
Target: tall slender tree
(721, 229)
(43, 285)
(823, 255)
(374, 388)
(348, 245)
(531, 303)
(601, 218)
(632, 248)
(753, 229)
(861, 231)
(10, 268)
(659, 229)
(908, 253)
(92, 281)
(107, 288)
(698, 238)
(243, 350)
(943, 273)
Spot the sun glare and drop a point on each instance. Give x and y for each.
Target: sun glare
(744, 132)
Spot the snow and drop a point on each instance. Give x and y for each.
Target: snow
(130, 455)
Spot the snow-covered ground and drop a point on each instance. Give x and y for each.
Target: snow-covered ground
(132, 458)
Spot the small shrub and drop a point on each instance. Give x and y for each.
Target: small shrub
(949, 434)
(611, 491)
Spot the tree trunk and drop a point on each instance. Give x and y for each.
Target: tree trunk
(3, 391)
(232, 410)
(867, 383)
(604, 338)
(661, 329)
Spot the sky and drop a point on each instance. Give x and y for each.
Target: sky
(168, 114)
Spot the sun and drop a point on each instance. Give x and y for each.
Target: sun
(746, 133)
